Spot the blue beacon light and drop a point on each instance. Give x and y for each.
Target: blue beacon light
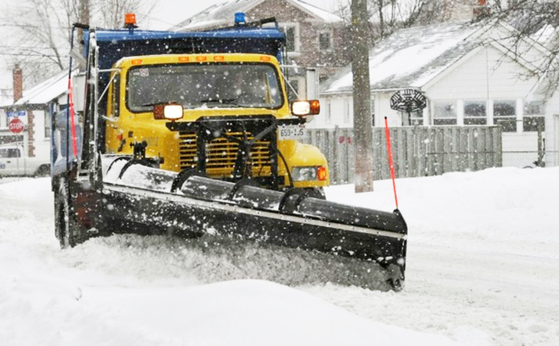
(240, 18)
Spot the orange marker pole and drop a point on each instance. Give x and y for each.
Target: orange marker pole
(390, 161)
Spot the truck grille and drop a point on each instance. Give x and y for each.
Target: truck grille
(221, 155)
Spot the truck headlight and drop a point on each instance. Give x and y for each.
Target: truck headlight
(309, 173)
(170, 111)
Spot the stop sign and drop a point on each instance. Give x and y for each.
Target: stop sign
(16, 125)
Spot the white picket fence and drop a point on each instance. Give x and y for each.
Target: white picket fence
(417, 150)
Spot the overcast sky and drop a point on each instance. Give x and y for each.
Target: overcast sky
(165, 14)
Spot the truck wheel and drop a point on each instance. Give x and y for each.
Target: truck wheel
(43, 171)
(68, 231)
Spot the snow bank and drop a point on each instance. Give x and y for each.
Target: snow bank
(503, 209)
(482, 269)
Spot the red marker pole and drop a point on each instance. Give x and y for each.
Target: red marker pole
(390, 161)
(72, 118)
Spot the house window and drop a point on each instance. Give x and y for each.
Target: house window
(444, 113)
(47, 125)
(412, 119)
(346, 111)
(475, 113)
(534, 116)
(416, 118)
(291, 37)
(504, 115)
(325, 40)
(373, 111)
(328, 118)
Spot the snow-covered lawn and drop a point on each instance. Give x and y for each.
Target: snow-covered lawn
(482, 269)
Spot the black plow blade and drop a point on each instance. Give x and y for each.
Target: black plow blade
(376, 240)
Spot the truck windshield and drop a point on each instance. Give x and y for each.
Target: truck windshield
(204, 85)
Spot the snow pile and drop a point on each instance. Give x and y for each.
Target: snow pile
(482, 270)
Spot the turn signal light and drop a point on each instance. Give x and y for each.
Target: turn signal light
(315, 107)
(321, 173)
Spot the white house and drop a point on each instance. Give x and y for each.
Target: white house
(470, 74)
(34, 109)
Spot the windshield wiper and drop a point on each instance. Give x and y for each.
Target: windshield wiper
(159, 103)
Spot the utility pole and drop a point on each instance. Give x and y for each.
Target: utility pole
(362, 120)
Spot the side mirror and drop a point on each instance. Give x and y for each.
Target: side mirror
(312, 84)
(78, 91)
(304, 108)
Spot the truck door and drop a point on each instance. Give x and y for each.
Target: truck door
(114, 135)
(11, 162)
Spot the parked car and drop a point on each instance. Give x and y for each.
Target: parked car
(13, 163)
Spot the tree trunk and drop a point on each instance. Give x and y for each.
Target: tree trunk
(84, 17)
(362, 120)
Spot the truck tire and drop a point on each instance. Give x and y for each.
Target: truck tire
(43, 171)
(68, 231)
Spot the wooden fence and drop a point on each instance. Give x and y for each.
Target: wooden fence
(417, 151)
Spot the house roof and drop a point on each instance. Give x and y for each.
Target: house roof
(222, 14)
(6, 97)
(45, 91)
(410, 58)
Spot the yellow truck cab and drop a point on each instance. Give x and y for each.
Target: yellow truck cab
(226, 116)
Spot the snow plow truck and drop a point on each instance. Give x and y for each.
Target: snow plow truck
(192, 133)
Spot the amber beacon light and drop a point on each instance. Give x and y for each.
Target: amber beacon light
(130, 20)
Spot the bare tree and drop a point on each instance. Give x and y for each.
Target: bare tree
(387, 16)
(536, 23)
(41, 30)
(37, 43)
(109, 14)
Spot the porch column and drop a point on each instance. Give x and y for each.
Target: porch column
(519, 115)
(460, 112)
(426, 112)
(489, 112)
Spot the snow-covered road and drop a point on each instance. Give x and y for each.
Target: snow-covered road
(483, 269)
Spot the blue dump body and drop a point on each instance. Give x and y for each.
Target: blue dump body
(116, 44)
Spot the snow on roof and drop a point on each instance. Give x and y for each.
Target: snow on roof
(546, 36)
(322, 14)
(6, 97)
(222, 14)
(410, 57)
(45, 91)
